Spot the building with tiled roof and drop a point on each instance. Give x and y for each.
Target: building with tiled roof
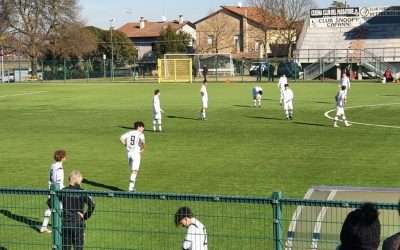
(144, 34)
(241, 31)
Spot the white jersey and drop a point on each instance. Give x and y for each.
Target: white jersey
(203, 90)
(288, 95)
(340, 98)
(196, 236)
(345, 81)
(156, 104)
(282, 82)
(56, 174)
(133, 141)
(257, 90)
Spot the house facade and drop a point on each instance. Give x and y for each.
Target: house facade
(245, 32)
(144, 34)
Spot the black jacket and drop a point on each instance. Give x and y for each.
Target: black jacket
(73, 204)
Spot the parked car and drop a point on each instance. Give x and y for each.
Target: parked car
(289, 69)
(8, 77)
(254, 68)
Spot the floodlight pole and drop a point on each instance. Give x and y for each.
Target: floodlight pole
(112, 48)
(2, 64)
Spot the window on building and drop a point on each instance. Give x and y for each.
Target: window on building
(236, 42)
(210, 39)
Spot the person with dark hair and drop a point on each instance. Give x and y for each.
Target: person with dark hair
(196, 235)
(56, 176)
(388, 75)
(392, 242)
(361, 229)
(74, 215)
(134, 143)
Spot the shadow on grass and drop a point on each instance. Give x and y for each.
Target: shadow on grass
(131, 128)
(390, 95)
(311, 124)
(181, 117)
(266, 118)
(3, 248)
(242, 106)
(35, 225)
(101, 185)
(322, 102)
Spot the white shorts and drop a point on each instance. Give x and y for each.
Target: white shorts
(204, 103)
(257, 97)
(339, 111)
(134, 161)
(288, 106)
(157, 116)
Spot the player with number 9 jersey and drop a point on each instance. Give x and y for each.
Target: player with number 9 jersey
(134, 143)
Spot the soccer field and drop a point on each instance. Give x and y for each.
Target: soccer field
(238, 150)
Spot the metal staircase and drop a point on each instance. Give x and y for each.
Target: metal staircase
(373, 63)
(323, 64)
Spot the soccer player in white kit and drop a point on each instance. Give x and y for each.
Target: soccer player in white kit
(257, 95)
(196, 234)
(345, 81)
(281, 85)
(204, 100)
(56, 176)
(341, 98)
(157, 111)
(134, 143)
(288, 102)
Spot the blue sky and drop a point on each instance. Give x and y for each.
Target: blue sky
(99, 12)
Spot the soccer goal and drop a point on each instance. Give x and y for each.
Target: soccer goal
(174, 70)
(219, 64)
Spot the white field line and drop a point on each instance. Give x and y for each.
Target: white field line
(326, 114)
(22, 94)
(320, 218)
(293, 223)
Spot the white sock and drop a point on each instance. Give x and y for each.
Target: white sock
(255, 103)
(287, 113)
(203, 114)
(46, 218)
(132, 181)
(159, 125)
(154, 125)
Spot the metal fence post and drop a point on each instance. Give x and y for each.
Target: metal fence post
(55, 217)
(277, 220)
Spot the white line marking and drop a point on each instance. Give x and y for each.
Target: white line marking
(320, 218)
(293, 223)
(22, 94)
(326, 114)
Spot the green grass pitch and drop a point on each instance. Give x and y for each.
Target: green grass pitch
(239, 150)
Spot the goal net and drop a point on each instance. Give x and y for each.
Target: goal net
(217, 64)
(174, 70)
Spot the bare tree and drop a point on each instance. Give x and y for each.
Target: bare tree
(339, 4)
(287, 15)
(35, 22)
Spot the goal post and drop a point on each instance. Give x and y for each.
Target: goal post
(218, 64)
(174, 70)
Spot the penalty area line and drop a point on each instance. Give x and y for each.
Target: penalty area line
(326, 114)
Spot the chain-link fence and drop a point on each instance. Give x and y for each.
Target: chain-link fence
(123, 220)
(241, 70)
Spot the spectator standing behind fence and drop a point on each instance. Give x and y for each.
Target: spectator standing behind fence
(196, 235)
(74, 215)
(259, 72)
(56, 176)
(392, 242)
(205, 73)
(388, 75)
(361, 229)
